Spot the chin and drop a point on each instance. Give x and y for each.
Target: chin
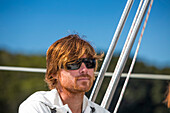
(83, 88)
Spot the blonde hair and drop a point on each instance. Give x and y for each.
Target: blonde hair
(167, 100)
(63, 51)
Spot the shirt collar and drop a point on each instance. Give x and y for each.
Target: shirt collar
(54, 98)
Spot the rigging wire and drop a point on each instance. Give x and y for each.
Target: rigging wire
(123, 58)
(133, 61)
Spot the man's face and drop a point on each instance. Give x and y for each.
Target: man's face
(79, 80)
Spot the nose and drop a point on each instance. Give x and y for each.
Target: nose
(83, 69)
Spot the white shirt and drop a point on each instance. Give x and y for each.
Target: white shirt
(50, 102)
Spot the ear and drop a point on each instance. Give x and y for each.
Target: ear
(56, 76)
(53, 75)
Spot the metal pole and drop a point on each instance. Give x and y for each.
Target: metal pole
(133, 61)
(132, 26)
(123, 58)
(134, 76)
(23, 69)
(110, 51)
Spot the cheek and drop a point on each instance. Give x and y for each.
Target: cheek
(74, 72)
(66, 78)
(91, 72)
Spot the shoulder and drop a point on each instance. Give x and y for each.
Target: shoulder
(33, 107)
(33, 104)
(98, 108)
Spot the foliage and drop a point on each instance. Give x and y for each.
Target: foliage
(141, 95)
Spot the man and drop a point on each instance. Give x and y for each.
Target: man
(167, 99)
(71, 63)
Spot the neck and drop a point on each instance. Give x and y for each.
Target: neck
(74, 100)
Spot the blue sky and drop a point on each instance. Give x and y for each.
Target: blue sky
(31, 26)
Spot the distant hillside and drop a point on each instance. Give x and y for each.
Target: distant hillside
(8, 59)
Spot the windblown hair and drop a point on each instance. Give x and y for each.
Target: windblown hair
(64, 50)
(167, 100)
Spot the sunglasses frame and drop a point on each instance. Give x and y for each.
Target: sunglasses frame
(74, 65)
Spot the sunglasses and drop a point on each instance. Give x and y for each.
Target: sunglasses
(74, 65)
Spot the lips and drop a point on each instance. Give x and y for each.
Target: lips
(83, 78)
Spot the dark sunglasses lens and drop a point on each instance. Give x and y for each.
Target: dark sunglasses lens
(73, 66)
(90, 63)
